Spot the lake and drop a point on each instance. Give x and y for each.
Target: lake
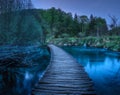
(102, 66)
(19, 77)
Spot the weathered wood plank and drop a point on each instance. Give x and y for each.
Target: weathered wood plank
(64, 76)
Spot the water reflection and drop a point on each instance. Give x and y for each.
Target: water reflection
(102, 66)
(20, 80)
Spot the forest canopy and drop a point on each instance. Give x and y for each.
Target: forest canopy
(21, 24)
(18, 23)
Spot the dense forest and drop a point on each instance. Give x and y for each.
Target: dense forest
(52, 23)
(30, 26)
(18, 24)
(62, 24)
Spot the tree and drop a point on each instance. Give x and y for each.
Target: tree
(84, 22)
(92, 23)
(101, 26)
(114, 22)
(14, 14)
(97, 26)
(76, 27)
(51, 17)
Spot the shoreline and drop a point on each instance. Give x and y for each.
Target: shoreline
(109, 43)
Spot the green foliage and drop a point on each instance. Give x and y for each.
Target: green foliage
(23, 29)
(19, 23)
(114, 31)
(39, 26)
(108, 42)
(61, 24)
(97, 26)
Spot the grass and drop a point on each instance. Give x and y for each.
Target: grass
(109, 42)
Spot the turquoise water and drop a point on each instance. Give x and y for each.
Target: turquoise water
(102, 66)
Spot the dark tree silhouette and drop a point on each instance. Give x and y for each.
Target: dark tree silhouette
(114, 22)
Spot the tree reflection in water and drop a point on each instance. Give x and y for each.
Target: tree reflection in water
(19, 74)
(103, 67)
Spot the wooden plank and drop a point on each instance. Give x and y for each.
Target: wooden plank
(64, 76)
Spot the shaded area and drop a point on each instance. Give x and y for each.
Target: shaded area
(103, 67)
(21, 67)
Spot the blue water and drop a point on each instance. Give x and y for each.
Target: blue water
(20, 80)
(102, 66)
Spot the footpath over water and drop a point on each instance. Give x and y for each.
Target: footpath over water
(64, 76)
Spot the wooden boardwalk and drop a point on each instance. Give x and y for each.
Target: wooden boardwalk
(64, 76)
